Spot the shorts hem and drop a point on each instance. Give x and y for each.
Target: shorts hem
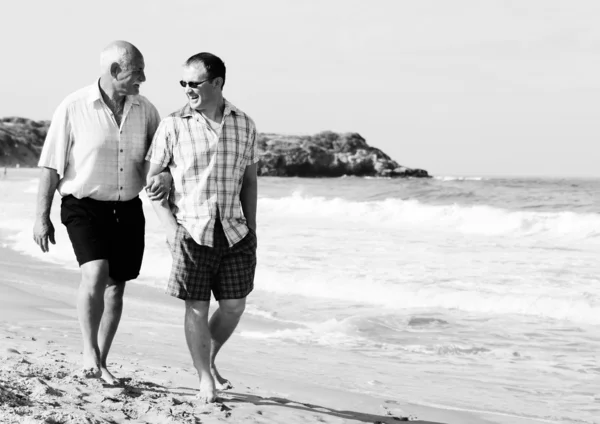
(90, 259)
(184, 297)
(124, 280)
(234, 297)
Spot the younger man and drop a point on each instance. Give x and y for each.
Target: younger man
(210, 149)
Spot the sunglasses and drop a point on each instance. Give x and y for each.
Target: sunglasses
(193, 84)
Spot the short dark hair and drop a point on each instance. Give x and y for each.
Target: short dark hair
(213, 64)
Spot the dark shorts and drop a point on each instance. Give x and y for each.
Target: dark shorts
(106, 230)
(226, 271)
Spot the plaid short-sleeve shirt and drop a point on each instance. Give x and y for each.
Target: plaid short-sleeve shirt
(208, 168)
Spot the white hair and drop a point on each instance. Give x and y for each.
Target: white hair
(115, 53)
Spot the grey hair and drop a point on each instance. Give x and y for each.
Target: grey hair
(117, 52)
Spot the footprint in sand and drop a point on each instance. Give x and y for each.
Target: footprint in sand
(40, 388)
(216, 409)
(113, 392)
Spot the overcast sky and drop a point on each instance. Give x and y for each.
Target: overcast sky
(462, 87)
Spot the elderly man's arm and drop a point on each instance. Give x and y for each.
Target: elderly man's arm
(249, 195)
(161, 205)
(158, 186)
(43, 230)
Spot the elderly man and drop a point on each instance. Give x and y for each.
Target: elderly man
(210, 148)
(94, 155)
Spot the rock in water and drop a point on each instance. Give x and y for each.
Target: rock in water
(326, 154)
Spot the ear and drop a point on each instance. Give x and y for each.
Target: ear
(219, 82)
(115, 68)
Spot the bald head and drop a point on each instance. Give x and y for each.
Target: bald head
(120, 52)
(122, 70)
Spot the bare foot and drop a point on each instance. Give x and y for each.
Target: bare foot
(220, 382)
(90, 367)
(108, 377)
(92, 372)
(208, 392)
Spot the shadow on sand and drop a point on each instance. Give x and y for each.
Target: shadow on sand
(231, 397)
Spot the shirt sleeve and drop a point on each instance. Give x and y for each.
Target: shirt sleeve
(58, 142)
(253, 145)
(161, 149)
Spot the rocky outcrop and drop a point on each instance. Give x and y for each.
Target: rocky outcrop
(326, 154)
(21, 141)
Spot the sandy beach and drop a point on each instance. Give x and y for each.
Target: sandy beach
(40, 351)
(427, 215)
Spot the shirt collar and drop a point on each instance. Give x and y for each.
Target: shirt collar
(95, 95)
(229, 108)
(188, 112)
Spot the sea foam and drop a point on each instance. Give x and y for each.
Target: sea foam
(399, 213)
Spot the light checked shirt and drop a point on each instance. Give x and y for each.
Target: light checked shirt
(207, 165)
(91, 154)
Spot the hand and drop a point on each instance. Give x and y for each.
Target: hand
(158, 186)
(43, 230)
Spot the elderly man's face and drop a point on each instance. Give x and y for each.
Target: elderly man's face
(132, 76)
(201, 95)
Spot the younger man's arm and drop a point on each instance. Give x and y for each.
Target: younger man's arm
(249, 195)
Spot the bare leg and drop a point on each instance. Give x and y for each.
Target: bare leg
(90, 306)
(222, 324)
(197, 336)
(113, 308)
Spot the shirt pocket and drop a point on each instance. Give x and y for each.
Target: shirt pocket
(193, 156)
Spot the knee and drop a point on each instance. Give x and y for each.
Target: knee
(114, 292)
(233, 307)
(94, 275)
(197, 309)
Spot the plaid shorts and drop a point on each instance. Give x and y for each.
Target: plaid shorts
(226, 271)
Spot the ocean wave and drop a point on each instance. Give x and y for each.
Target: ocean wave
(409, 214)
(339, 333)
(426, 322)
(452, 350)
(545, 304)
(262, 313)
(451, 178)
(309, 336)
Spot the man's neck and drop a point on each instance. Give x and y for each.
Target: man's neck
(215, 113)
(110, 96)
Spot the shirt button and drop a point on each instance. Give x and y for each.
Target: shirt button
(121, 188)
(121, 150)
(121, 169)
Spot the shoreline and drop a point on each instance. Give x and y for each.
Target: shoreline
(38, 320)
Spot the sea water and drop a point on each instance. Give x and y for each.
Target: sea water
(468, 293)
